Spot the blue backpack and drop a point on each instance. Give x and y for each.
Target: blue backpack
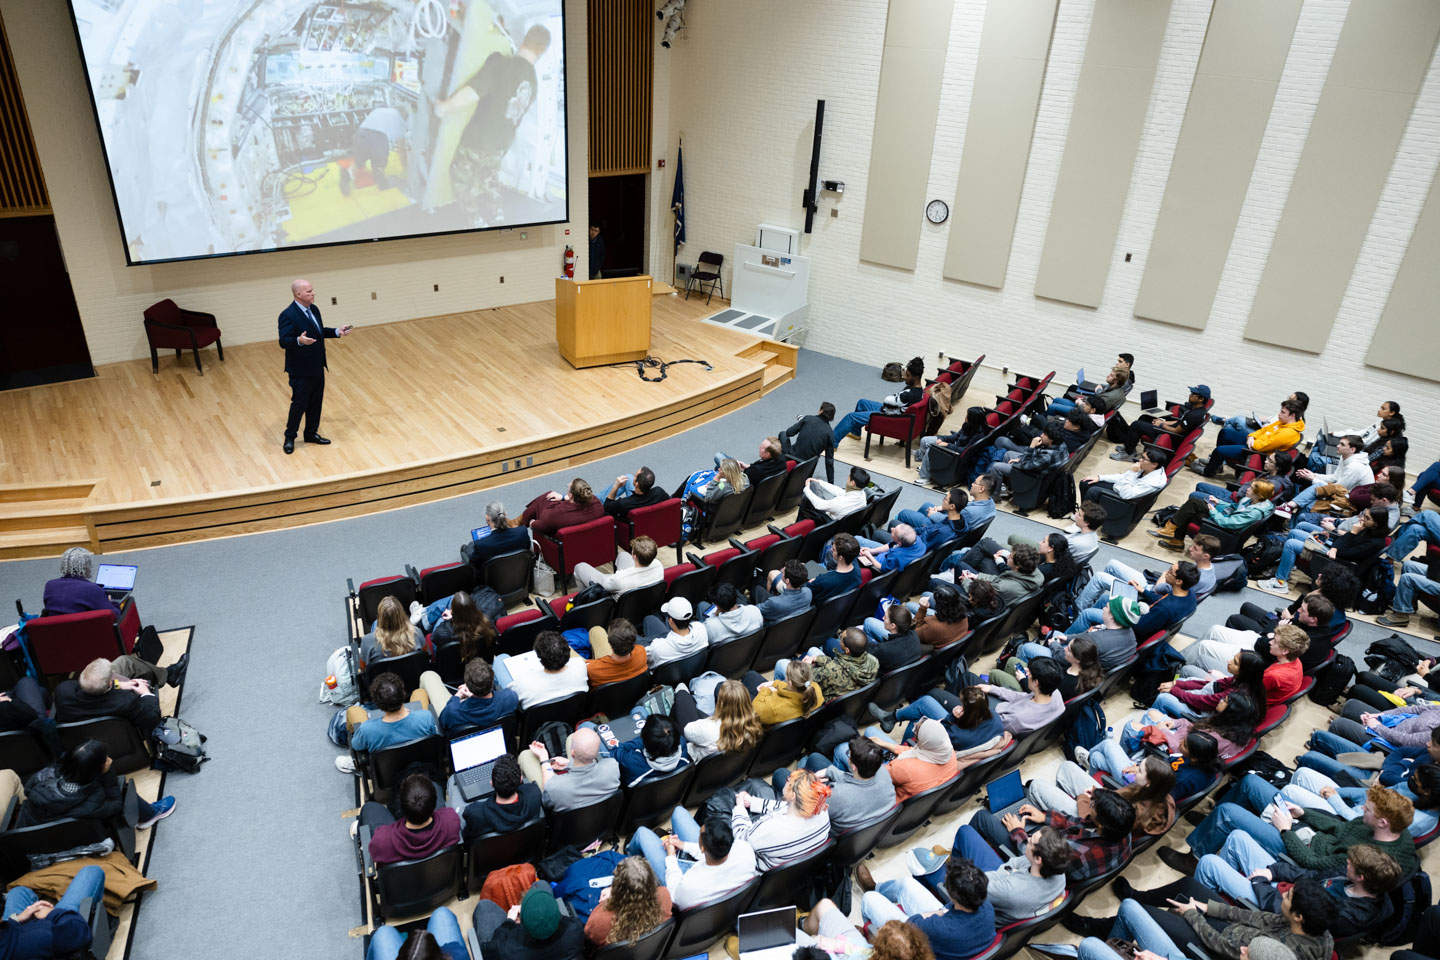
(1086, 730)
(584, 880)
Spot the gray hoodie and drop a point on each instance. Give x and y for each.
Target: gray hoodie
(743, 619)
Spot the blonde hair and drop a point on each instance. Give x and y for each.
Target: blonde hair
(393, 630)
(798, 677)
(581, 493)
(1261, 490)
(634, 900)
(740, 727)
(733, 475)
(1292, 639)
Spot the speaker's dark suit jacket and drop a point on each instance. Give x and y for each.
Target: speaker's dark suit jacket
(303, 361)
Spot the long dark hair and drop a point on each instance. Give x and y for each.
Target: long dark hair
(1064, 567)
(1399, 447)
(470, 625)
(948, 606)
(1251, 676)
(976, 708)
(1236, 722)
(974, 424)
(1202, 751)
(1087, 655)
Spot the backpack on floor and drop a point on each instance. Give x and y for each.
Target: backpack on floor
(1332, 680)
(1377, 590)
(1230, 573)
(178, 746)
(1062, 500)
(1086, 730)
(341, 666)
(1159, 666)
(1263, 556)
(489, 602)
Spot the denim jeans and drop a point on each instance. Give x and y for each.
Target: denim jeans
(1203, 490)
(1425, 525)
(1412, 580)
(1097, 591)
(922, 458)
(386, 941)
(1229, 818)
(89, 882)
(1231, 435)
(1289, 554)
(1329, 766)
(1107, 756)
(1171, 705)
(1333, 745)
(875, 630)
(1229, 870)
(1091, 617)
(781, 666)
(1030, 650)
(916, 518)
(1135, 925)
(897, 900)
(433, 613)
(852, 422)
(926, 706)
(973, 847)
(645, 843)
(503, 678)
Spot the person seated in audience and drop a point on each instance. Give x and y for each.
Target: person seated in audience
(1020, 577)
(1170, 600)
(466, 624)
(729, 478)
(1195, 758)
(1356, 541)
(927, 762)
(1045, 451)
(894, 643)
(548, 672)
(981, 596)
(825, 502)
(1226, 515)
(476, 702)
(1025, 886)
(1232, 725)
(634, 904)
(1383, 824)
(1076, 428)
(657, 752)
(515, 802)
(503, 538)
(1391, 452)
(1080, 663)
(831, 583)
(903, 547)
(677, 636)
(35, 929)
(568, 783)
(1411, 726)
(75, 590)
(968, 720)
(1414, 581)
(981, 507)
(957, 932)
(638, 567)
(630, 493)
(1056, 564)
(851, 423)
(1244, 423)
(730, 617)
(1111, 395)
(1313, 615)
(699, 863)
(810, 436)
(1191, 416)
(1384, 495)
(1300, 931)
(443, 927)
(1199, 550)
(111, 688)
(1146, 477)
(1352, 471)
(1098, 833)
(1389, 410)
(23, 705)
(860, 791)
(617, 656)
(1364, 495)
(536, 929)
(734, 727)
(771, 461)
(782, 830)
(941, 617)
(1151, 792)
(938, 524)
(787, 594)
(1284, 672)
(1081, 534)
(826, 931)
(789, 698)
(397, 722)
(1114, 636)
(1277, 469)
(1022, 713)
(1358, 890)
(972, 428)
(82, 786)
(393, 635)
(850, 667)
(425, 828)
(1413, 773)
(1283, 433)
(1194, 698)
(553, 511)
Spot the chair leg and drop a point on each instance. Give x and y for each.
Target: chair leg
(179, 353)
(867, 444)
(219, 351)
(154, 361)
(196, 351)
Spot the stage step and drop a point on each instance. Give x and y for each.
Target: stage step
(774, 376)
(43, 520)
(779, 360)
(20, 544)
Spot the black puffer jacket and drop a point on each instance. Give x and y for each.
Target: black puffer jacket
(48, 798)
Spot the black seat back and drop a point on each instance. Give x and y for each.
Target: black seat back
(648, 947)
(700, 926)
(975, 534)
(724, 518)
(648, 803)
(386, 766)
(413, 887)
(850, 704)
(568, 710)
(447, 663)
(815, 541)
(831, 615)
(784, 742)
(767, 495)
(779, 553)
(912, 577)
(407, 666)
(127, 749)
(615, 699)
(868, 600)
(508, 574)
(855, 844)
(22, 751)
(733, 657)
(794, 490)
(693, 586)
(596, 613)
(784, 638)
(492, 851)
(738, 571)
(901, 684)
(683, 670)
(368, 597)
(583, 825)
(716, 771)
(51, 837)
(521, 637)
(877, 512)
(635, 605)
(789, 882)
(915, 811)
(446, 581)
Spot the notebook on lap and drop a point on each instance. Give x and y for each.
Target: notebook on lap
(767, 935)
(473, 757)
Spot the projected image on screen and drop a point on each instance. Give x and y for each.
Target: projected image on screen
(233, 126)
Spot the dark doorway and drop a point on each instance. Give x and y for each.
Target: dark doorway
(617, 207)
(41, 339)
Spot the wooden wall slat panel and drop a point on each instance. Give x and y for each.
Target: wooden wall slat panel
(621, 71)
(22, 186)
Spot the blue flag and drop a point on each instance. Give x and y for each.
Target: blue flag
(677, 198)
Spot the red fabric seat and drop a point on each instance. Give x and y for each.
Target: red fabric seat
(719, 557)
(66, 642)
(515, 619)
(674, 573)
(592, 542)
(662, 522)
(168, 327)
(799, 528)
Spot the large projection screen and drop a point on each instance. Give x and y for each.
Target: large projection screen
(242, 126)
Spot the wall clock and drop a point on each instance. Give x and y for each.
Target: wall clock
(937, 211)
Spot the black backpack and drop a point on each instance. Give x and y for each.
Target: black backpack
(1263, 556)
(1230, 573)
(1062, 494)
(1377, 590)
(1392, 658)
(1086, 730)
(1401, 922)
(1332, 680)
(489, 602)
(1159, 666)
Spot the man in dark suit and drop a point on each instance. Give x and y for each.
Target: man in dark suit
(302, 335)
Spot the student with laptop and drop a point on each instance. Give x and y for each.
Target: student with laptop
(476, 702)
(1157, 421)
(1025, 886)
(957, 932)
(75, 590)
(473, 758)
(514, 803)
(425, 829)
(501, 538)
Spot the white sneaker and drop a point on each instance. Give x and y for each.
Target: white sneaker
(1274, 586)
(680, 686)
(355, 828)
(417, 612)
(1082, 758)
(345, 763)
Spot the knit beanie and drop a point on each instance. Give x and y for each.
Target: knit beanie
(539, 914)
(1266, 948)
(1127, 612)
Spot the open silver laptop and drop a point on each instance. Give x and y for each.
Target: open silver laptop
(1150, 404)
(474, 759)
(118, 579)
(767, 934)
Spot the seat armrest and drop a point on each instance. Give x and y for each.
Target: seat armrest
(473, 942)
(350, 585)
(695, 559)
(413, 574)
(773, 529)
(738, 545)
(130, 804)
(363, 837)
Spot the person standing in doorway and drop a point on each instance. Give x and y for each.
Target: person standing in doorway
(302, 336)
(597, 251)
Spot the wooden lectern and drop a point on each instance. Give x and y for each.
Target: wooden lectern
(602, 321)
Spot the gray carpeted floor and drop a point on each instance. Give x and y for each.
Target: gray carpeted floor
(256, 860)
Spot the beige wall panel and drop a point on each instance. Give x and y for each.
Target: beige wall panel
(1225, 118)
(1104, 134)
(911, 69)
(1407, 339)
(1008, 78)
(1384, 50)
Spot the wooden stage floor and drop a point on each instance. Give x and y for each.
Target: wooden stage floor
(418, 410)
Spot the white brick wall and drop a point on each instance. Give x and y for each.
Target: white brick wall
(744, 77)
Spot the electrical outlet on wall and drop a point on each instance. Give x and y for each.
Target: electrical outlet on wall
(372, 294)
(333, 301)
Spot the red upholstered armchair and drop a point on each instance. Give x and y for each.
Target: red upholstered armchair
(66, 642)
(904, 427)
(662, 522)
(168, 327)
(592, 543)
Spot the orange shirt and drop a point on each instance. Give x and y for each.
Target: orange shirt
(913, 775)
(605, 670)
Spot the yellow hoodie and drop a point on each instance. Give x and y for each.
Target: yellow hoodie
(1278, 436)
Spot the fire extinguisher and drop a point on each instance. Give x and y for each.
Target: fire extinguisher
(569, 262)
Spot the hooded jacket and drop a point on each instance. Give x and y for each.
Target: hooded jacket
(844, 673)
(1277, 436)
(47, 798)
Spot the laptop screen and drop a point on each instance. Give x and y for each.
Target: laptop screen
(1149, 399)
(116, 576)
(477, 748)
(766, 929)
(1080, 376)
(1005, 791)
